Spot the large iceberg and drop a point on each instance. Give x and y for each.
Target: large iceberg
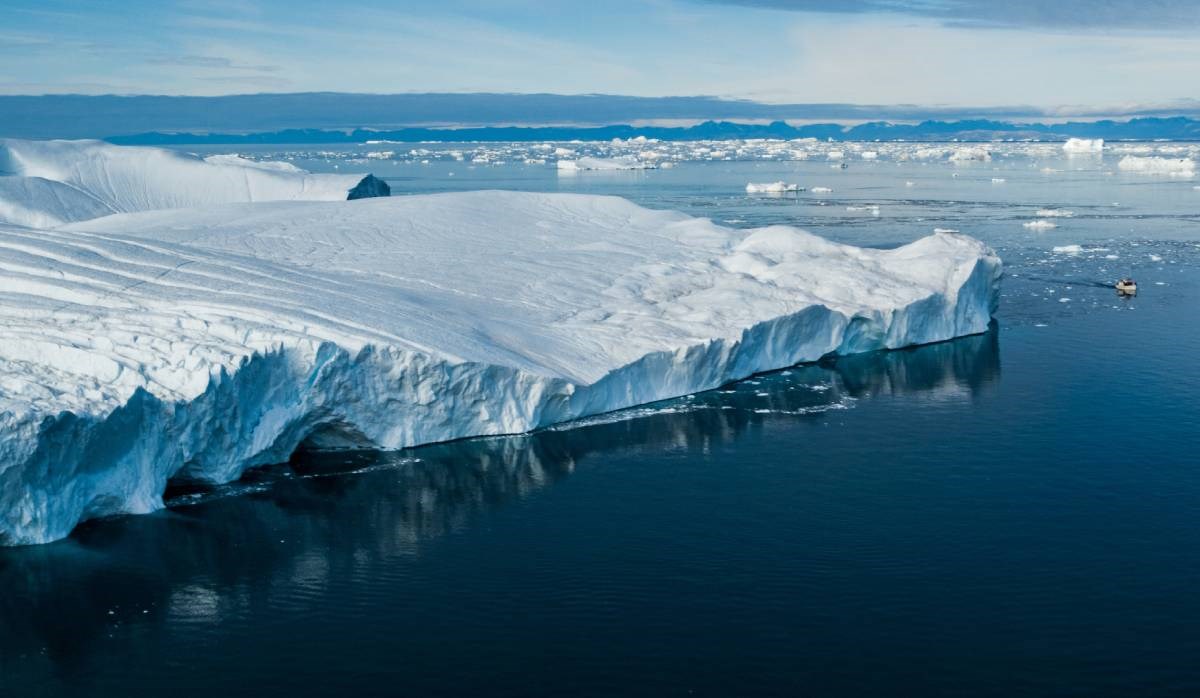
(193, 344)
(48, 183)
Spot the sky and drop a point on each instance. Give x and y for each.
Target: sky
(1056, 54)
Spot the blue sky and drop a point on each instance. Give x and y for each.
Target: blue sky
(1047, 53)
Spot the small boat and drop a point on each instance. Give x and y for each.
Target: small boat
(1126, 287)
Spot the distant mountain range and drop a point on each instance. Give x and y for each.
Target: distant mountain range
(1174, 128)
(336, 117)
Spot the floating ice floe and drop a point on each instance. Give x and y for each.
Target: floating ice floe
(1054, 213)
(821, 190)
(142, 348)
(1040, 225)
(602, 164)
(49, 183)
(771, 188)
(1067, 249)
(1174, 167)
(1083, 146)
(972, 154)
(748, 149)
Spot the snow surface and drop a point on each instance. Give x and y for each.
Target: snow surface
(1079, 146)
(49, 183)
(198, 343)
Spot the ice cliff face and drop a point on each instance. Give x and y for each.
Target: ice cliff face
(197, 343)
(49, 183)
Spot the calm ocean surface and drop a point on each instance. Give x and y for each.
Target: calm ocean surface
(1010, 514)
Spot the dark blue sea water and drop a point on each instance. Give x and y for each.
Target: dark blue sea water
(1015, 513)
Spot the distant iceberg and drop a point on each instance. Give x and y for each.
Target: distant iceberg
(193, 344)
(49, 183)
(971, 154)
(771, 188)
(1083, 146)
(1174, 167)
(625, 162)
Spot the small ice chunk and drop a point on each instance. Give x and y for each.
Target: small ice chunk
(1040, 224)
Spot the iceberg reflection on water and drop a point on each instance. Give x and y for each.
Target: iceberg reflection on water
(342, 515)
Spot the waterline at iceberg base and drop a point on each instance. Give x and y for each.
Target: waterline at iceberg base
(193, 344)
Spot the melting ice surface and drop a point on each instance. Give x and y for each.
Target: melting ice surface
(192, 339)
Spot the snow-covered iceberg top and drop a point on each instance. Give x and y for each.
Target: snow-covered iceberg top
(197, 343)
(1174, 167)
(49, 183)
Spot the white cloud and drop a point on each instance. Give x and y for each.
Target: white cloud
(659, 47)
